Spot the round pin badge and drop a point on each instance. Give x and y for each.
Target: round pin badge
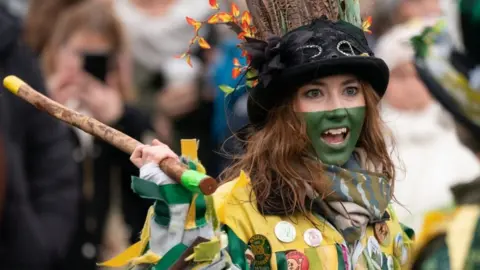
(404, 257)
(313, 237)
(285, 232)
(261, 249)
(374, 250)
(297, 261)
(398, 246)
(382, 233)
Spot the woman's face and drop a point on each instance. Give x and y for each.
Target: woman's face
(334, 110)
(405, 90)
(80, 43)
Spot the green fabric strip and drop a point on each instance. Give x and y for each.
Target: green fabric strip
(170, 193)
(236, 248)
(281, 260)
(171, 257)
(313, 259)
(341, 262)
(384, 262)
(200, 210)
(162, 213)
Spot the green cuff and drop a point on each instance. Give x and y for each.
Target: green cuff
(170, 193)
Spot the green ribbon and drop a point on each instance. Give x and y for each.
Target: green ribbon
(170, 257)
(166, 195)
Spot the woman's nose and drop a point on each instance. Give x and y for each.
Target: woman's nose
(337, 114)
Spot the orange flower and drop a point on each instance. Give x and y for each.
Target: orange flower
(366, 25)
(189, 61)
(241, 36)
(236, 62)
(203, 43)
(236, 72)
(235, 10)
(181, 56)
(214, 4)
(194, 23)
(213, 19)
(225, 17)
(246, 18)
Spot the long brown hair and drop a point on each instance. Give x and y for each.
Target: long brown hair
(97, 17)
(277, 158)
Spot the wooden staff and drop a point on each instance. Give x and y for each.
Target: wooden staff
(192, 180)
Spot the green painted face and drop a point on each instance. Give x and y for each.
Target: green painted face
(321, 121)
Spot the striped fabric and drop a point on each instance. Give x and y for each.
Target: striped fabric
(359, 198)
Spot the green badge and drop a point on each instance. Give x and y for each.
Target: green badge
(261, 250)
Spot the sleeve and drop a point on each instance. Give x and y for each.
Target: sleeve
(181, 229)
(53, 183)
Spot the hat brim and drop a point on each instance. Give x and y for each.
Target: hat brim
(449, 102)
(370, 69)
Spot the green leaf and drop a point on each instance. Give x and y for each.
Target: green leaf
(226, 89)
(251, 73)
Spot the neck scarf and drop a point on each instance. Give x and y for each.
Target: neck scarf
(359, 197)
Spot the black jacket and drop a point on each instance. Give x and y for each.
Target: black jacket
(41, 188)
(107, 167)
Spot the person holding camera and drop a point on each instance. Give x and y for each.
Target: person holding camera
(87, 70)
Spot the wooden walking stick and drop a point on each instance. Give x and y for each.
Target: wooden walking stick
(192, 180)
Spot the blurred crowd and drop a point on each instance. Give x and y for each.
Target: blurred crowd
(65, 198)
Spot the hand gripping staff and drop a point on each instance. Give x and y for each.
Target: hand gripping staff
(192, 180)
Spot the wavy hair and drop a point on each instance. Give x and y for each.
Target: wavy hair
(277, 158)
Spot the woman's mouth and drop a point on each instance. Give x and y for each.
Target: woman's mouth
(335, 136)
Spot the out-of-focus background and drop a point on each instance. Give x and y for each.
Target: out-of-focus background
(65, 199)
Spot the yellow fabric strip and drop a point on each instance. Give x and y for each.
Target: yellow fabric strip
(191, 217)
(459, 234)
(189, 148)
(136, 249)
(147, 258)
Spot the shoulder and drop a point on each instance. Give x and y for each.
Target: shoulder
(233, 196)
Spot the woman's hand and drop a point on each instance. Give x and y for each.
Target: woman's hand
(102, 101)
(154, 153)
(63, 86)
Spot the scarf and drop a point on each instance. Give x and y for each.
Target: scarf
(359, 197)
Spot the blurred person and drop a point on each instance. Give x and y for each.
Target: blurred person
(85, 63)
(39, 179)
(39, 22)
(424, 133)
(17, 8)
(230, 111)
(447, 59)
(178, 95)
(388, 13)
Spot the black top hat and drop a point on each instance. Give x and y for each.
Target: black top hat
(295, 41)
(319, 49)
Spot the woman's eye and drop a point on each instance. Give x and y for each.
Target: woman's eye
(351, 91)
(313, 93)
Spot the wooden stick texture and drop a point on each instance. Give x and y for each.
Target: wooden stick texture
(94, 127)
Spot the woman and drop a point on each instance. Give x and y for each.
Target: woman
(86, 69)
(319, 175)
